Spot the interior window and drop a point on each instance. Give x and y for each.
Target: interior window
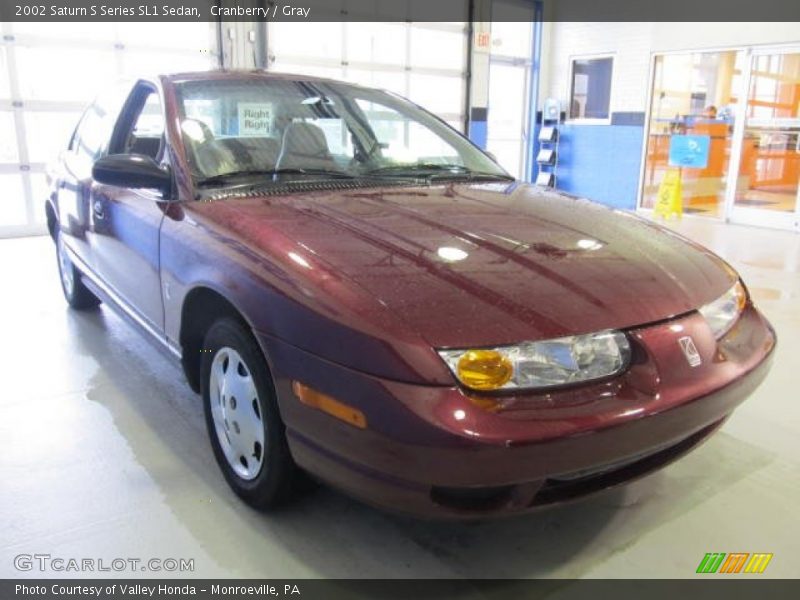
(590, 90)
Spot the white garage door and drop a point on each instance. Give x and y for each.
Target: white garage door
(425, 62)
(49, 72)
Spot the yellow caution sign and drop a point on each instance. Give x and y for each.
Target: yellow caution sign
(669, 202)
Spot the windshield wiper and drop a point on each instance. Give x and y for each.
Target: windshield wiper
(413, 167)
(272, 173)
(430, 171)
(304, 171)
(470, 174)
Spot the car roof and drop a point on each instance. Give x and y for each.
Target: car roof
(244, 75)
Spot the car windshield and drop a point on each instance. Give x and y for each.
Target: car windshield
(274, 129)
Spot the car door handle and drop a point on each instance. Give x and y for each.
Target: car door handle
(99, 209)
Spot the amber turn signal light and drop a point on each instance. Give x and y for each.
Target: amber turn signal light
(343, 412)
(484, 369)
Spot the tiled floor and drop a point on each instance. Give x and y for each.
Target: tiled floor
(103, 454)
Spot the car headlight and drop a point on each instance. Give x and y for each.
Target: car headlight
(723, 312)
(549, 363)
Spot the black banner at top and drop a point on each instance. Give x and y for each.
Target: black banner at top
(395, 10)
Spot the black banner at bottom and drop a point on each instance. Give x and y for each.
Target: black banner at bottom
(730, 588)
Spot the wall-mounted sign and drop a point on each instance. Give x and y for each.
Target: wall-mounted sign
(689, 151)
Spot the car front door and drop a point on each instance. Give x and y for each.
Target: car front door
(74, 175)
(125, 238)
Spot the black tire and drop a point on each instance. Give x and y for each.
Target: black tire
(273, 484)
(76, 293)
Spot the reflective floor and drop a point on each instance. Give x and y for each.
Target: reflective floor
(103, 455)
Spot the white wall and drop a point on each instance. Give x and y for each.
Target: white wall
(628, 42)
(632, 45)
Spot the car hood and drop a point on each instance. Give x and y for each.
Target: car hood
(476, 264)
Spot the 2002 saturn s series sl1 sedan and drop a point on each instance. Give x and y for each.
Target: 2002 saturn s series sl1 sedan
(359, 292)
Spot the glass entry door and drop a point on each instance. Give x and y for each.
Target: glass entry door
(763, 190)
(696, 94)
(508, 115)
(510, 70)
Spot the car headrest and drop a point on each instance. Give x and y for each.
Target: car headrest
(207, 155)
(303, 142)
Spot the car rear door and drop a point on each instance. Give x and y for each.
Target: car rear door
(125, 238)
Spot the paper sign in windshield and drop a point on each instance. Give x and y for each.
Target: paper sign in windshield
(255, 119)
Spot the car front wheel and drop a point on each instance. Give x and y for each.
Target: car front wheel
(242, 417)
(77, 294)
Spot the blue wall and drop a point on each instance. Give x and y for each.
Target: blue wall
(601, 162)
(478, 133)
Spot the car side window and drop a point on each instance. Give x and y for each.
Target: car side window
(94, 129)
(92, 132)
(140, 129)
(148, 130)
(87, 139)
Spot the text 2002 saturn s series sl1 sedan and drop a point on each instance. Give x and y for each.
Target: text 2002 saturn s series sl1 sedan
(359, 292)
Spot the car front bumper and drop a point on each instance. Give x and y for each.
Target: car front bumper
(437, 452)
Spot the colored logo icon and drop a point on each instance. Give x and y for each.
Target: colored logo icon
(735, 562)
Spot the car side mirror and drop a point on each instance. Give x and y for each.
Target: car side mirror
(131, 171)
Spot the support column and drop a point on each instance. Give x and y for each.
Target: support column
(243, 44)
(479, 71)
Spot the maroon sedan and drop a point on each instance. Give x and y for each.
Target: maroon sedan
(359, 292)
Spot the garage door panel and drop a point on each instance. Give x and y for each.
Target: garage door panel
(395, 56)
(39, 192)
(309, 40)
(13, 210)
(449, 49)
(4, 91)
(8, 133)
(441, 95)
(62, 72)
(185, 38)
(48, 133)
(379, 43)
(393, 81)
(144, 62)
(333, 72)
(50, 72)
(53, 30)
